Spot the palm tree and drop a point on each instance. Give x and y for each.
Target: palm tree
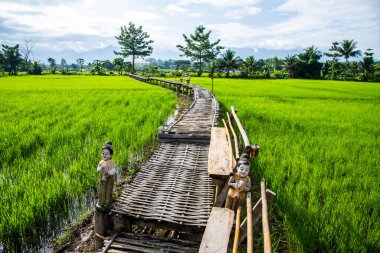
(346, 49)
(229, 61)
(249, 66)
(290, 63)
(367, 66)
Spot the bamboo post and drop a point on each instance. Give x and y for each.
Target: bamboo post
(265, 219)
(237, 230)
(242, 131)
(249, 224)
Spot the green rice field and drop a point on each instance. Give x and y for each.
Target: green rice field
(51, 133)
(320, 143)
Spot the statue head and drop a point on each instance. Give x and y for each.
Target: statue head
(107, 151)
(243, 169)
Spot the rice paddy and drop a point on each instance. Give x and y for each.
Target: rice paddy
(52, 130)
(319, 152)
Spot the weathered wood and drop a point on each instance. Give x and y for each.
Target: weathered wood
(109, 243)
(237, 230)
(256, 214)
(218, 230)
(241, 128)
(249, 224)
(265, 219)
(219, 153)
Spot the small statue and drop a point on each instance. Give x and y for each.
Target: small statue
(107, 168)
(239, 184)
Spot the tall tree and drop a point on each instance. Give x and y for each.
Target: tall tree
(199, 48)
(249, 66)
(98, 68)
(52, 65)
(229, 61)
(290, 63)
(27, 51)
(309, 65)
(346, 49)
(12, 58)
(134, 42)
(367, 65)
(80, 62)
(119, 65)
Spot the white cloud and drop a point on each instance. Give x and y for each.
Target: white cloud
(174, 9)
(240, 13)
(219, 3)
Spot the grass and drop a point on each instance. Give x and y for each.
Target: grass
(319, 152)
(52, 130)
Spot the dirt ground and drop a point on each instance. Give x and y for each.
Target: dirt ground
(80, 238)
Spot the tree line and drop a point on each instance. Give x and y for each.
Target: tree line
(206, 56)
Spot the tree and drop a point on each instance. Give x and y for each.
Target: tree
(347, 50)
(290, 63)
(12, 58)
(80, 62)
(52, 65)
(2, 62)
(119, 65)
(26, 51)
(229, 61)
(134, 42)
(249, 66)
(98, 68)
(367, 66)
(309, 65)
(36, 68)
(199, 48)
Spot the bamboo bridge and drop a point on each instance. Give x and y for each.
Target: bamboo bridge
(172, 202)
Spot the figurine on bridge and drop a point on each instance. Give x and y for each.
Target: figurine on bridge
(239, 184)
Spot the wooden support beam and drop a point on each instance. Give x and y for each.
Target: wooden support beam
(256, 214)
(237, 230)
(249, 224)
(222, 196)
(265, 217)
(235, 136)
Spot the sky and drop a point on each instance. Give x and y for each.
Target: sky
(263, 28)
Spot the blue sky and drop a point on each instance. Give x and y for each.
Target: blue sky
(77, 28)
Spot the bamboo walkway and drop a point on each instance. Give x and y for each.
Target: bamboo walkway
(173, 189)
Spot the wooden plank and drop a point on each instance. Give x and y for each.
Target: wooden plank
(219, 153)
(218, 230)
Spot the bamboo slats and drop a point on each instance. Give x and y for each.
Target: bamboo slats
(128, 242)
(173, 186)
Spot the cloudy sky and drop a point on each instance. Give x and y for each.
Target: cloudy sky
(74, 28)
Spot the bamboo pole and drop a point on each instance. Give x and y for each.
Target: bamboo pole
(230, 146)
(249, 224)
(237, 230)
(266, 231)
(235, 137)
(242, 131)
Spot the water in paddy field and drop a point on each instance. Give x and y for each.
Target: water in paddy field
(54, 227)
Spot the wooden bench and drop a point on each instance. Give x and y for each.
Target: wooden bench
(218, 231)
